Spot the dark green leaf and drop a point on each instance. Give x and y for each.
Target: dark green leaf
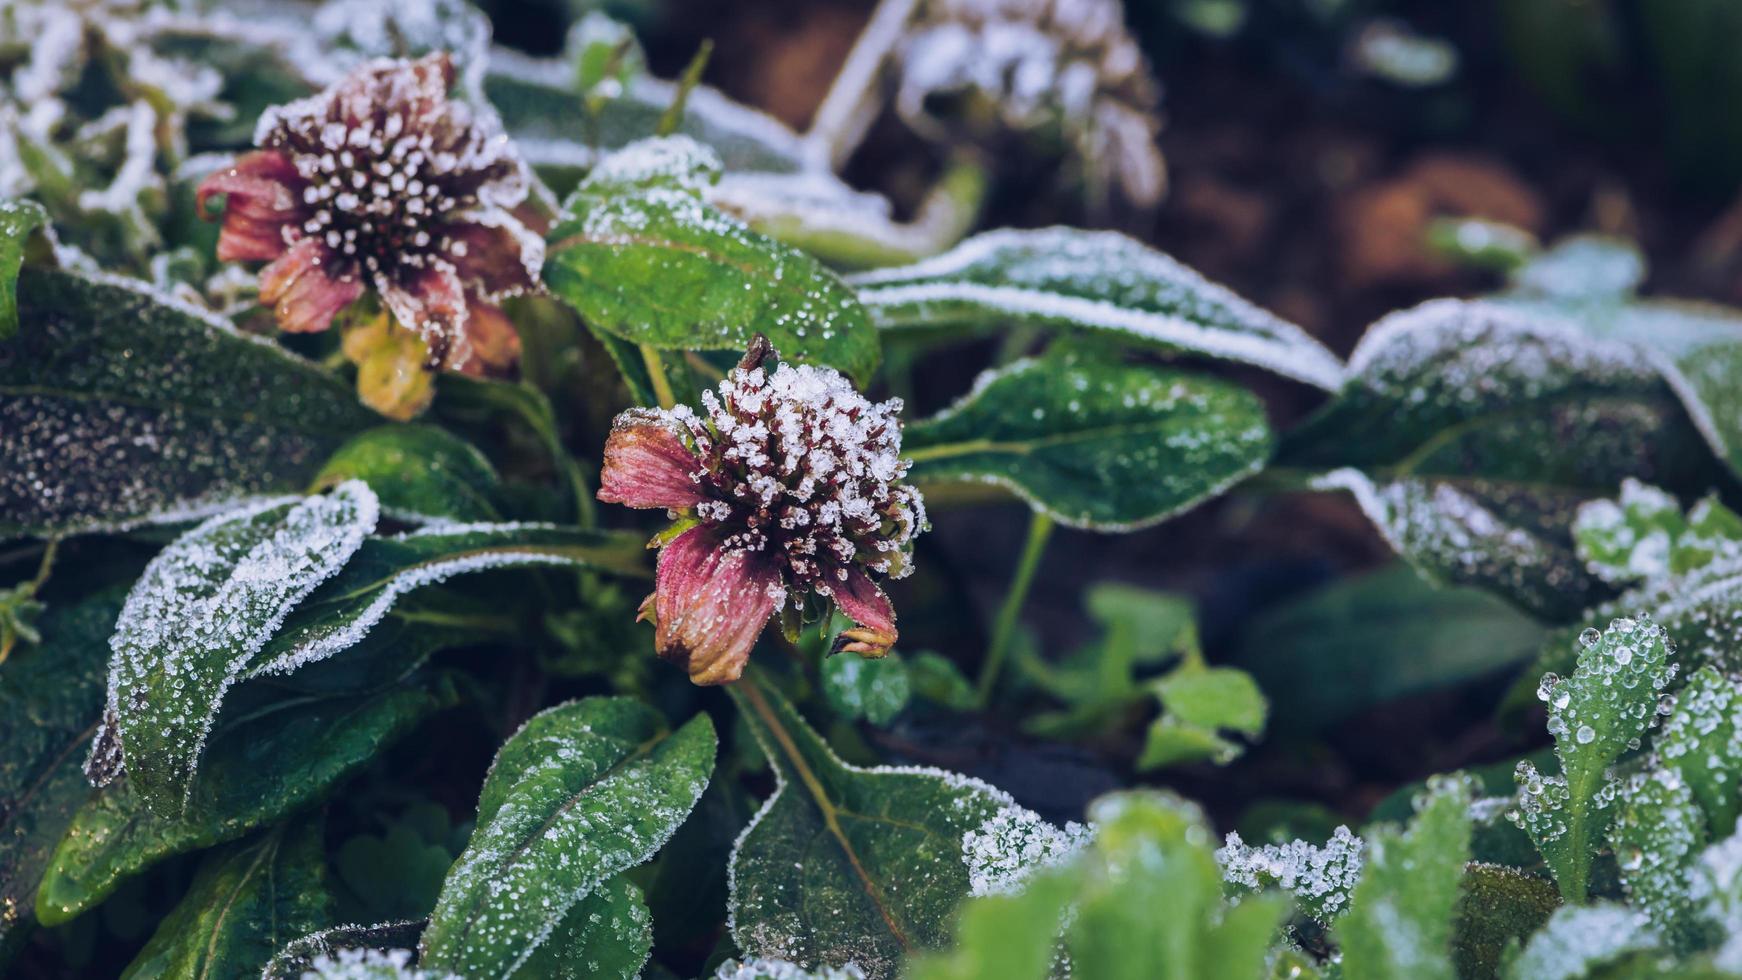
(1399, 922)
(1093, 443)
(246, 901)
(119, 407)
(262, 766)
(1497, 905)
(1380, 636)
(20, 223)
(1100, 283)
(419, 472)
(299, 955)
(844, 863)
(606, 936)
(50, 699)
(640, 254)
(583, 791)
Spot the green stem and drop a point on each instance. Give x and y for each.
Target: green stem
(45, 566)
(656, 376)
(1039, 530)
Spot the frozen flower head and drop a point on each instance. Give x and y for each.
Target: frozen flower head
(788, 485)
(1065, 66)
(382, 183)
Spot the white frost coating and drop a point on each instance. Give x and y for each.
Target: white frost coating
(1580, 938)
(1322, 878)
(369, 964)
(1012, 845)
(1100, 280)
(1404, 340)
(768, 969)
(679, 160)
(219, 591)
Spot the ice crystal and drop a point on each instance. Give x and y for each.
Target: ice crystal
(352, 32)
(1656, 837)
(1320, 877)
(369, 964)
(1064, 64)
(771, 969)
(1643, 536)
(1014, 844)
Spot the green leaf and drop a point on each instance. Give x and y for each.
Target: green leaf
(419, 473)
(875, 690)
(204, 606)
(1702, 741)
(1594, 715)
(20, 223)
(584, 790)
(1380, 636)
(639, 254)
(245, 902)
(1399, 922)
(119, 407)
(298, 956)
(1099, 283)
(1496, 906)
(847, 864)
(1657, 835)
(263, 765)
(1199, 703)
(1012, 937)
(1579, 939)
(1141, 628)
(50, 699)
(608, 935)
(1643, 536)
(1095, 444)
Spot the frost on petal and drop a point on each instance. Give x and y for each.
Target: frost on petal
(260, 200)
(647, 464)
(432, 304)
(871, 612)
(304, 296)
(494, 254)
(710, 605)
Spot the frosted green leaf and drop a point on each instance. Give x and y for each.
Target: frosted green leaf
(1583, 268)
(1716, 890)
(762, 969)
(641, 255)
(1399, 922)
(120, 407)
(263, 765)
(1199, 704)
(1643, 536)
(1101, 283)
(420, 473)
(50, 699)
(582, 791)
(875, 690)
(20, 222)
(608, 935)
(1320, 877)
(352, 952)
(203, 608)
(1578, 939)
(245, 902)
(844, 864)
(1657, 835)
(1092, 443)
(1702, 741)
(1595, 715)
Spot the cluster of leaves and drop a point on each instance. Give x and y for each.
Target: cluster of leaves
(253, 593)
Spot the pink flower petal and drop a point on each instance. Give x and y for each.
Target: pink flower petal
(864, 603)
(647, 464)
(492, 342)
(262, 198)
(305, 299)
(709, 607)
(434, 305)
(496, 256)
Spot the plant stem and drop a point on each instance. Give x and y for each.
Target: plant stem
(1039, 530)
(846, 111)
(656, 376)
(46, 565)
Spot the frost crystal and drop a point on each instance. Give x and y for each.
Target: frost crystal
(1644, 537)
(770, 969)
(1656, 836)
(1041, 63)
(1321, 878)
(1012, 845)
(369, 964)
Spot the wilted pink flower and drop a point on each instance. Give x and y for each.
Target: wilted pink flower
(380, 182)
(788, 486)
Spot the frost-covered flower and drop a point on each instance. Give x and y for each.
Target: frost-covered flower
(1068, 64)
(788, 485)
(382, 182)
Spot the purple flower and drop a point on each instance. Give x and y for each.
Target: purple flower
(788, 485)
(381, 182)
